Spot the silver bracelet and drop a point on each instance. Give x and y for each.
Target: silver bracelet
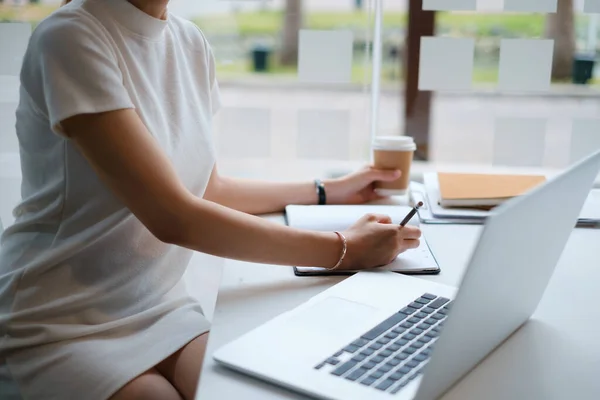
(344, 249)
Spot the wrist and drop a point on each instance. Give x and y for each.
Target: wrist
(343, 251)
(333, 191)
(320, 192)
(331, 249)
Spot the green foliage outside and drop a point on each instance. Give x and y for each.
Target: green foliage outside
(249, 27)
(269, 23)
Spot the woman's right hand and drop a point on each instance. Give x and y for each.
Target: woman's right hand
(374, 241)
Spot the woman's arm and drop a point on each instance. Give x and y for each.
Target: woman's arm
(129, 161)
(259, 197)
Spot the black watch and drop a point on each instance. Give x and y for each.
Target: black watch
(320, 192)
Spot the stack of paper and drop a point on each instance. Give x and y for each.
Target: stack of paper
(434, 213)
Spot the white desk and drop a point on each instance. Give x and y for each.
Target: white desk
(554, 356)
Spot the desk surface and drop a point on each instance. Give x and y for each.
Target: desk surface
(554, 356)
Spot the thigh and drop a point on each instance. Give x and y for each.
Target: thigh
(182, 368)
(151, 385)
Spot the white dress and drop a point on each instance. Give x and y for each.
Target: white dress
(89, 298)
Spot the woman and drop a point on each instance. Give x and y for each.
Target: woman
(119, 187)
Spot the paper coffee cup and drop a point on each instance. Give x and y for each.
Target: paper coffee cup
(393, 152)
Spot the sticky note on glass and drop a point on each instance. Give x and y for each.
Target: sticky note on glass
(542, 6)
(325, 56)
(519, 142)
(525, 64)
(490, 5)
(244, 132)
(324, 134)
(14, 37)
(446, 63)
(591, 6)
(585, 138)
(449, 5)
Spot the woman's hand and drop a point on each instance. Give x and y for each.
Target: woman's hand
(357, 187)
(374, 241)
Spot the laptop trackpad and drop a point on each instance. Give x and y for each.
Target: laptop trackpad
(331, 317)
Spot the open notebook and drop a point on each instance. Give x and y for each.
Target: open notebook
(341, 217)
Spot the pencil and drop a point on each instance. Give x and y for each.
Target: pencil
(411, 214)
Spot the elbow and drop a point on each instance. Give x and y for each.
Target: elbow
(169, 219)
(169, 229)
(168, 235)
(183, 224)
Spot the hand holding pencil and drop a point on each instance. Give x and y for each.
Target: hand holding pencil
(374, 241)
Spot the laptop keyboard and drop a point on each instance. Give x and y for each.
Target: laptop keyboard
(394, 352)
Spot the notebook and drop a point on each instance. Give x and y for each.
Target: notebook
(483, 190)
(433, 213)
(341, 217)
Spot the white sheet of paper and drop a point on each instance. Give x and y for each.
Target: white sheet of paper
(456, 56)
(323, 134)
(14, 37)
(519, 142)
(341, 217)
(449, 5)
(542, 6)
(525, 65)
(325, 56)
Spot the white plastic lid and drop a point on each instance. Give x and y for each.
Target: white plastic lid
(403, 143)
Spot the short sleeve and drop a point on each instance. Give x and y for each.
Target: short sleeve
(215, 94)
(77, 72)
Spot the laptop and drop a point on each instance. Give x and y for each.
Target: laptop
(382, 335)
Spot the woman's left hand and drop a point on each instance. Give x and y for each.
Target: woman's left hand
(357, 187)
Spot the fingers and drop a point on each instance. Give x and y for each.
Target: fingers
(409, 232)
(384, 174)
(411, 243)
(381, 218)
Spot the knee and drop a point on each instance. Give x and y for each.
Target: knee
(148, 386)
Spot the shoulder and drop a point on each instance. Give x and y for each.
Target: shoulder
(68, 26)
(70, 42)
(189, 34)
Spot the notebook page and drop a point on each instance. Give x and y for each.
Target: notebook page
(414, 260)
(334, 217)
(341, 217)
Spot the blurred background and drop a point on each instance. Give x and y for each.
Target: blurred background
(297, 79)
